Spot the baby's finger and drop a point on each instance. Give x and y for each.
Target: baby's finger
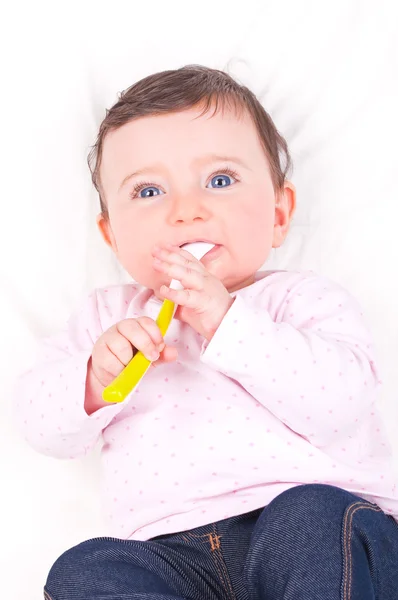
(106, 366)
(152, 329)
(144, 334)
(119, 345)
(178, 256)
(189, 278)
(169, 354)
(190, 298)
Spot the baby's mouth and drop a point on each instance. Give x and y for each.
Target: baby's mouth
(198, 249)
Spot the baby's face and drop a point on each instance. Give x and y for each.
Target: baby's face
(177, 178)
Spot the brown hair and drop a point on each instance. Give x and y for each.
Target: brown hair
(181, 89)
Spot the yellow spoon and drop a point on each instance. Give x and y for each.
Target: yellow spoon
(132, 374)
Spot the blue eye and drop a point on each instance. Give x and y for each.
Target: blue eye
(146, 192)
(221, 181)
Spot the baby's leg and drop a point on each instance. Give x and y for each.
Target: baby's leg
(318, 541)
(112, 569)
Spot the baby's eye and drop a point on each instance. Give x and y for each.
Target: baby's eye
(220, 181)
(147, 192)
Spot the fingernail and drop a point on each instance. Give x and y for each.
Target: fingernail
(154, 355)
(161, 347)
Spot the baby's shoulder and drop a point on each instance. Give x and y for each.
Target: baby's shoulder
(288, 287)
(289, 282)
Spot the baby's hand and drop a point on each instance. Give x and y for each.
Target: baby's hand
(116, 347)
(204, 301)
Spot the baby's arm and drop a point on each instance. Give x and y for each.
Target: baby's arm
(50, 398)
(306, 355)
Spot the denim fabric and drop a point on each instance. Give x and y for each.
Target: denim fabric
(311, 542)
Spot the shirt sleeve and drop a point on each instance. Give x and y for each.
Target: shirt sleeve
(49, 398)
(305, 354)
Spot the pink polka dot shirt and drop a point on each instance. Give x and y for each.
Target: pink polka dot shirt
(284, 394)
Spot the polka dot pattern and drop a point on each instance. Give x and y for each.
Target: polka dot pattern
(277, 396)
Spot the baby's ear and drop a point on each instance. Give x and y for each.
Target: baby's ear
(106, 231)
(285, 205)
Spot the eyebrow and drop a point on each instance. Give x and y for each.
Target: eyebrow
(208, 158)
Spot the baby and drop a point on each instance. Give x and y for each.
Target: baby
(251, 462)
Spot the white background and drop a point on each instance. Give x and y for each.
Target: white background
(326, 71)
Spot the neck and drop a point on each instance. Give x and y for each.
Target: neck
(242, 284)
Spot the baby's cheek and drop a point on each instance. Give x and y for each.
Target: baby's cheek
(139, 267)
(130, 252)
(255, 242)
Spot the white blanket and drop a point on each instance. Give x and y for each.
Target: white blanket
(327, 73)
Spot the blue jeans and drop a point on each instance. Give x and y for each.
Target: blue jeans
(311, 542)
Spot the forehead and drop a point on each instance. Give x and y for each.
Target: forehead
(176, 139)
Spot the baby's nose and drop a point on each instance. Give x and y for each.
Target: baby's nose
(187, 209)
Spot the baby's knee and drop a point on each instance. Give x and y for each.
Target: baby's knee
(305, 507)
(73, 570)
